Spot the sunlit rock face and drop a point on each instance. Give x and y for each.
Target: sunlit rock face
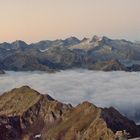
(27, 114)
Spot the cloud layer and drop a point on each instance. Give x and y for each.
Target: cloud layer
(118, 89)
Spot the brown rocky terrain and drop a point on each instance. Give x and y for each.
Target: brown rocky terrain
(25, 114)
(113, 65)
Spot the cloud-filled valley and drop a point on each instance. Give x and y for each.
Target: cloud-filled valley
(117, 89)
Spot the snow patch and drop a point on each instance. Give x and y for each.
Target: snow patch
(8, 49)
(43, 50)
(38, 136)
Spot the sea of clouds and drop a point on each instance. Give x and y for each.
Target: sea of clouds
(118, 89)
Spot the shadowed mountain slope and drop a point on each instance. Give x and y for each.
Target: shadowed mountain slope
(70, 53)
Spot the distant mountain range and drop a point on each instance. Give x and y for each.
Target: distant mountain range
(98, 53)
(25, 114)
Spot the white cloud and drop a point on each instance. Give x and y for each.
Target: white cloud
(118, 89)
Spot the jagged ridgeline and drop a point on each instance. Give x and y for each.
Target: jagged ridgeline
(25, 114)
(98, 53)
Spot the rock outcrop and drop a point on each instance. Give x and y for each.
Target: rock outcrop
(113, 65)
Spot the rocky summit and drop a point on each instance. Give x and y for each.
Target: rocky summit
(98, 53)
(25, 114)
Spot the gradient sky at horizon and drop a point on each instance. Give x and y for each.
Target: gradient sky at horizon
(34, 20)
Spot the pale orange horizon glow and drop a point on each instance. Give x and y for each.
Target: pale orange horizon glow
(34, 20)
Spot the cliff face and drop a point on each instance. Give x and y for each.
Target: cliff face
(10, 128)
(116, 122)
(31, 116)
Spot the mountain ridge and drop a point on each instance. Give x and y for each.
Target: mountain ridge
(70, 53)
(26, 114)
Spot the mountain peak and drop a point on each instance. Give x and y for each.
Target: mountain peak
(114, 65)
(105, 40)
(40, 114)
(96, 38)
(86, 104)
(71, 41)
(19, 44)
(84, 39)
(18, 100)
(72, 38)
(24, 89)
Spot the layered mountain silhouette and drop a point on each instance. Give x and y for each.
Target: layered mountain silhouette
(25, 114)
(98, 53)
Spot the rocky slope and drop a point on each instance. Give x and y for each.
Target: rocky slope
(26, 114)
(24, 62)
(70, 53)
(112, 65)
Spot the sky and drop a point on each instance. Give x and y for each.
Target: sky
(34, 20)
(105, 89)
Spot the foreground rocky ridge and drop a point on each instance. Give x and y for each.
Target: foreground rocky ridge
(97, 53)
(26, 114)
